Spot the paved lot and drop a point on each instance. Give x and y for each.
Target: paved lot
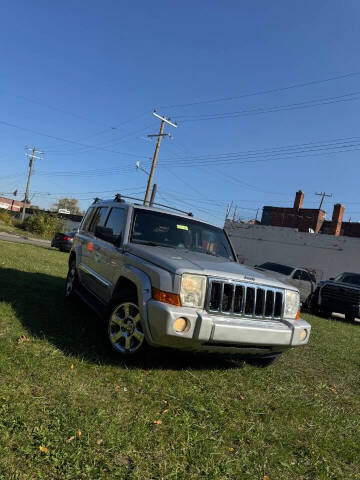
(9, 237)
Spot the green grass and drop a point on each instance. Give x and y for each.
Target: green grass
(219, 419)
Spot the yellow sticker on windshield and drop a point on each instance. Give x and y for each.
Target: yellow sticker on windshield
(182, 227)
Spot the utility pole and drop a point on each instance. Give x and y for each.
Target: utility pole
(153, 193)
(323, 195)
(159, 137)
(31, 157)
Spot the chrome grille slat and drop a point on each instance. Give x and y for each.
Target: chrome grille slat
(242, 299)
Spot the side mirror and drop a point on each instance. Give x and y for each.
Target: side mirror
(106, 234)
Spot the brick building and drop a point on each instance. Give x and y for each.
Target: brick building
(12, 205)
(294, 217)
(305, 219)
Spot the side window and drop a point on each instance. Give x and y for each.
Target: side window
(98, 218)
(297, 275)
(115, 221)
(87, 219)
(305, 276)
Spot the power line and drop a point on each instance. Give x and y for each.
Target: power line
(274, 109)
(263, 92)
(94, 147)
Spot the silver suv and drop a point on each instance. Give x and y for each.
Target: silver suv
(168, 280)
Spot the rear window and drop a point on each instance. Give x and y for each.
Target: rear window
(98, 218)
(277, 267)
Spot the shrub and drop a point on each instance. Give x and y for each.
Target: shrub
(6, 217)
(43, 224)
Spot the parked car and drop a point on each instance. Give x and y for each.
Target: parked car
(340, 294)
(299, 277)
(63, 241)
(168, 280)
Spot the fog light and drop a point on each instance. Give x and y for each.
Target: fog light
(181, 325)
(303, 335)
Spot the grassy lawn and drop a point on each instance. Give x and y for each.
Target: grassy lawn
(70, 409)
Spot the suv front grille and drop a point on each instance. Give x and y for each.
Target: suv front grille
(341, 293)
(244, 299)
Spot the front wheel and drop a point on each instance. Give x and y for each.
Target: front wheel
(124, 325)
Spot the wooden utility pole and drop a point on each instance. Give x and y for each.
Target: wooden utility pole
(323, 195)
(154, 162)
(153, 193)
(31, 164)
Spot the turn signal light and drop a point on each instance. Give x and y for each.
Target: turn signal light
(166, 297)
(297, 315)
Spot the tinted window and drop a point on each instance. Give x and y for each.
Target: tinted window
(351, 278)
(98, 218)
(115, 220)
(87, 219)
(298, 275)
(277, 267)
(305, 276)
(166, 230)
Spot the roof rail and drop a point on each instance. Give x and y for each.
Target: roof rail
(118, 198)
(190, 214)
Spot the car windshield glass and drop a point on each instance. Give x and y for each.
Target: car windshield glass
(352, 278)
(166, 230)
(276, 267)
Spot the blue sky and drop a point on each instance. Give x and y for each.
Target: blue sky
(90, 73)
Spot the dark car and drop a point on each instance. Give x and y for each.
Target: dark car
(63, 241)
(301, 278)
(340, 294)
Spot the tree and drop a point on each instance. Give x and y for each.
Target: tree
(71, 204)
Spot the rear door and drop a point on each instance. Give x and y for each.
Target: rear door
(107, 257)
(90, 248)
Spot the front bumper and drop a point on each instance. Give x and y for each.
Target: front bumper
(333, 305)
(221, 333)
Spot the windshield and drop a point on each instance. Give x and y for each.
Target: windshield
(352, 278)
(276, 267)
(166, 230)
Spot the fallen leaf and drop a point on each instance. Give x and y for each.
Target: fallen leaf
(72, 366)
(266, 477)
(70, 439)
(157, 422)
(100, 441)
(166, 402)
(79, 433)
(125, 389)
(43, 449)
(231, 449)
(23, 338)
(117, 387)
(242, 397)
(164, 411)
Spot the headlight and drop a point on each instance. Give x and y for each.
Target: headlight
(192, 292)
(292, 304)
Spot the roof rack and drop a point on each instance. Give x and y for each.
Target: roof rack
(119, 198)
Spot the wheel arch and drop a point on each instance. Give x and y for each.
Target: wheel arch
(138, 282)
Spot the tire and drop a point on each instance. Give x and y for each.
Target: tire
(125, 332)
(71, 280)
(264, 362)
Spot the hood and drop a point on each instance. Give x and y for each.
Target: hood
(270, 273)
(181, 261)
